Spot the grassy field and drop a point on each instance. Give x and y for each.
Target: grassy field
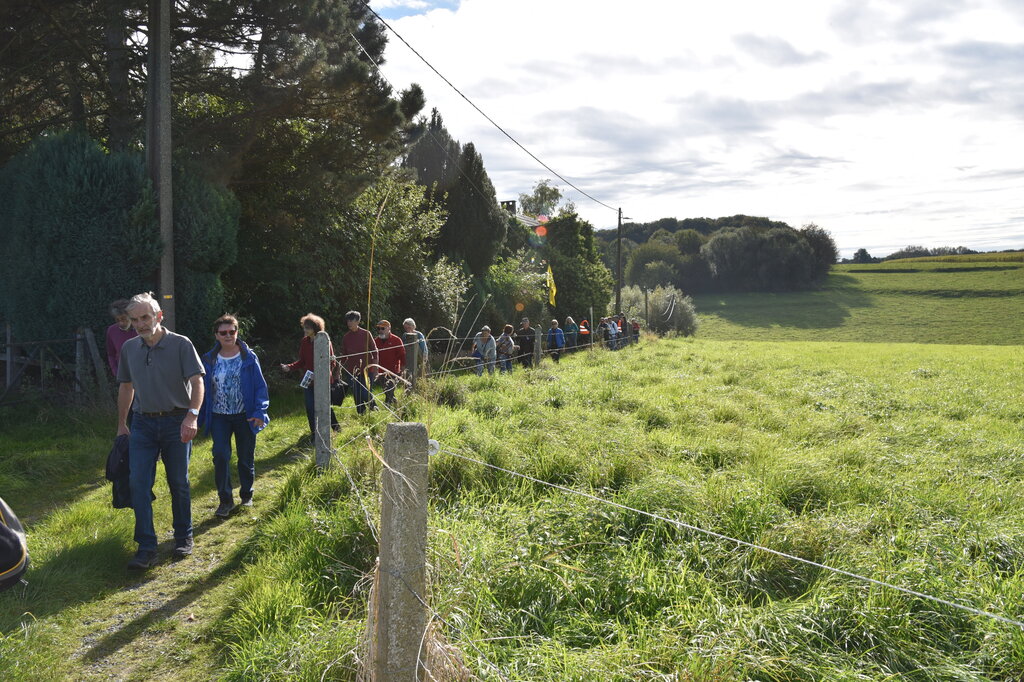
(1001, 257)
(978, 303)
(900, 462)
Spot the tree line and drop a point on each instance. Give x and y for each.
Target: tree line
(302, 180)
(735, 253)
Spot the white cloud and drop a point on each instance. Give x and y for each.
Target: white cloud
(859, 115)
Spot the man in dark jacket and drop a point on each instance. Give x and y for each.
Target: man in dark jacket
(524, 338)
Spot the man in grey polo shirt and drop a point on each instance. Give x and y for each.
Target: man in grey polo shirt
(161, 371)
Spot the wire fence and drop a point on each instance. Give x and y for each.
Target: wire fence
(465, 641)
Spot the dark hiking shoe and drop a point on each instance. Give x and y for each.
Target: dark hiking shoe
(182, 548)
(224, 510)
(143, 560)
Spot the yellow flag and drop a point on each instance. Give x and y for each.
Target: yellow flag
(552, 290)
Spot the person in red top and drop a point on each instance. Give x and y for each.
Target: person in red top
(311, 324)
(358, 352)
(391, 352)
(118, 333)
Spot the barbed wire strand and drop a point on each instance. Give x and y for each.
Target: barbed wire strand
(720, 536)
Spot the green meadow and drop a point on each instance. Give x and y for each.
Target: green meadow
(901, 463)
(912, 301)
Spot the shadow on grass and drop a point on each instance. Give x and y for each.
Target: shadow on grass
(824, 309)
(82, 437)
(91, 570)
(131, 630)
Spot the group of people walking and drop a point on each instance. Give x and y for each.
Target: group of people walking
(167, 392)
(519, 343)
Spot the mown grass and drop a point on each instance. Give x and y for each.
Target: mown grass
(980, 303)
(903, 463)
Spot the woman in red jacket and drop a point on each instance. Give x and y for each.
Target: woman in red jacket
(311, 324)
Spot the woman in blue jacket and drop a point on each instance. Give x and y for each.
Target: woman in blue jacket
(235, 403)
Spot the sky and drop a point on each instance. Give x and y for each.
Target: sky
(887, 122)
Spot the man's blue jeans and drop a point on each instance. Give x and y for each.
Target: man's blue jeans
(360, 392)
(222, 427)
(152, 437)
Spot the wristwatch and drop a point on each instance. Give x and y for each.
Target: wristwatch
(193, 411)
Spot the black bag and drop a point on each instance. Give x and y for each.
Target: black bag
(13, 548)
(338, 390)
(119, 473)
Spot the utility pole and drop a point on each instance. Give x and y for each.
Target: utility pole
(618, 270)
(158, 143)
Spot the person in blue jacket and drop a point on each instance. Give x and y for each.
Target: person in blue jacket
(556, 340)
(235, 403)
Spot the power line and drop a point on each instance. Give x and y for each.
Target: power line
(481, 112)
(443, 148)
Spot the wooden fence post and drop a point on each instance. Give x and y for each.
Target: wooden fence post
(99, 365)
(322, 398)
(42, 368)
(402, 616)
(9, 356)
(79, 360)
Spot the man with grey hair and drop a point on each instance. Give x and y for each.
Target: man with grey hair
(162, 373)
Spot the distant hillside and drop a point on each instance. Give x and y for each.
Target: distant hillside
(964, 301)
(992, 257)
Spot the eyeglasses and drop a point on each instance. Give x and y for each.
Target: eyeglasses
(227, 332)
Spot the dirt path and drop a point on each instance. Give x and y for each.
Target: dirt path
(160, 624)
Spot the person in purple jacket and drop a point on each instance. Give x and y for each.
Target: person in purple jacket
(235, 403)
(118, 333)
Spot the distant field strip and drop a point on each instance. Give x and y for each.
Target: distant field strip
(1010, 256)
(919, 302)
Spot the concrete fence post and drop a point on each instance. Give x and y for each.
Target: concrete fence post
(536, 346)
(402, 616)
(322, 397)
(412, 355)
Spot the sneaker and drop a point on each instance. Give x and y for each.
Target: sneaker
(142, 560)
(183, 547)
(224, 510)
(246, 502)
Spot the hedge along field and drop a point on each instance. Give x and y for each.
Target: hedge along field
(979, 303)
(900, 463)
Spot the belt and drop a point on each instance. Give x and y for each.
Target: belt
(177, 412)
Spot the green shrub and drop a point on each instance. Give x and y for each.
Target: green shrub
(78, 229)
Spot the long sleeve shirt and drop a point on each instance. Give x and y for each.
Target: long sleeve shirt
(391, 352)
(358, 350)
(115, 339)
(305, 361)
